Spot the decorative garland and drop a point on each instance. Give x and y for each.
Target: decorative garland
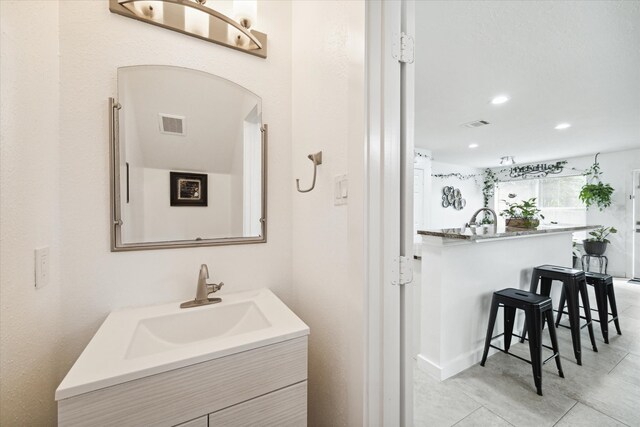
(460, 176)
(488, 186)
(540, 170)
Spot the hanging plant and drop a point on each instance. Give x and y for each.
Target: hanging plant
(488, 190)
(595, 192)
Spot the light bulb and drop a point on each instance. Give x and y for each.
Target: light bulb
(245, 12)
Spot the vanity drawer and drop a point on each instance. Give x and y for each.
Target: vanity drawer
(283, 408)
(172, 397)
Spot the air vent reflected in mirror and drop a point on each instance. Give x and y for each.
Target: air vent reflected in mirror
(172, 125)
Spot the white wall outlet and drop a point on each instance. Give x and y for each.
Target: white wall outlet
(42, 267)
(341, 190)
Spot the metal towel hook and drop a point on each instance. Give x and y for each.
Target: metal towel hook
(317, 160)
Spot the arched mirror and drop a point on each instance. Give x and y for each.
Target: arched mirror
(188, 160)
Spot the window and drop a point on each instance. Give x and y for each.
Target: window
(556, 197)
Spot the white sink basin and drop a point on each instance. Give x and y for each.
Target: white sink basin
(136, 343)
(162, 333)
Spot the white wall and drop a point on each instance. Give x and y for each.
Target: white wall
(328, 240)
(166, 222)
(55, 184)
(30, 319)
(439, 217)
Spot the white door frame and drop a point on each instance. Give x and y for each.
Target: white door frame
(407, 126)
(633, 213)
(388, 398)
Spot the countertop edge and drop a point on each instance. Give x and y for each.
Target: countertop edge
(446, 234)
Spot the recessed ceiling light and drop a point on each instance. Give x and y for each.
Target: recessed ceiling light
(561, 126)
(473, 145)
(500, 99)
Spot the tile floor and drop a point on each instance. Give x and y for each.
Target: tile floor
(604, 391)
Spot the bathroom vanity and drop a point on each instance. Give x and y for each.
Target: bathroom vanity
(460, 270)
(240, 362)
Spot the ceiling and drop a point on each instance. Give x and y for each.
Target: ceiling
(575, 62)
(214, 110)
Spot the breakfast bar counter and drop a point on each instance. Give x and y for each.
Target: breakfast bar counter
(460, 270)
(487, 232)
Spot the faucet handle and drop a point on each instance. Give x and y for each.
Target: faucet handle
(214, 287)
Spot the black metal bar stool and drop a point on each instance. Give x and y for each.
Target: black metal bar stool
(574, 283)
(537, 309)
(605, 296)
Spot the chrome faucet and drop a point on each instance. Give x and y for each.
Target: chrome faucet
(203, 290)
(474, 217)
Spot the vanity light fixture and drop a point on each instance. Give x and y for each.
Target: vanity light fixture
(500, 99)
(195, 18)
(507, 160)
(473, 145)
(562, 126)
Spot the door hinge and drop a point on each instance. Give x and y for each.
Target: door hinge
(402, 271)
(403, 48)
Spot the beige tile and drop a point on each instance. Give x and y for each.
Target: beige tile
(482, 418)
(628, 369)
(581, 415)
(616, 398)
(439, 403)
(505, 387)
(630, 339)
(632, 311)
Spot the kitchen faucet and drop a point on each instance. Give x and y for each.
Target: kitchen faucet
(203, 290)
(472, 221)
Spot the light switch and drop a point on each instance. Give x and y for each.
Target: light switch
(42, 267)
(341, 190)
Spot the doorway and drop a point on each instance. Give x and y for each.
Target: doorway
(490, 88)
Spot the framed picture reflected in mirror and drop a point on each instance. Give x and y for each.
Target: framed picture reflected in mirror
(188, 189)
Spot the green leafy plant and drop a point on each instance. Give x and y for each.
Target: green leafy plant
(595, 192)
(601, 234)
(526, 209)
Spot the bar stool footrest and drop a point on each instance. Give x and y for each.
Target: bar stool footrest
(526, 339)
(583, 317)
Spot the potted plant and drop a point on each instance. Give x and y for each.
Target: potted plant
(522, 215)
(597, 243)
(595, 192)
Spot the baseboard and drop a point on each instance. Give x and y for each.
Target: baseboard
(457, 365)
(428, 367)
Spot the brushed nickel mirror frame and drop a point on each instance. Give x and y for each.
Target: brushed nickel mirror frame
(254, 44)
(116, 219)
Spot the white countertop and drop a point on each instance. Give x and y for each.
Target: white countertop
(104, 362)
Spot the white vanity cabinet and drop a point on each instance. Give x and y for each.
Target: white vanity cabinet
(265, 386)
(242, 361)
